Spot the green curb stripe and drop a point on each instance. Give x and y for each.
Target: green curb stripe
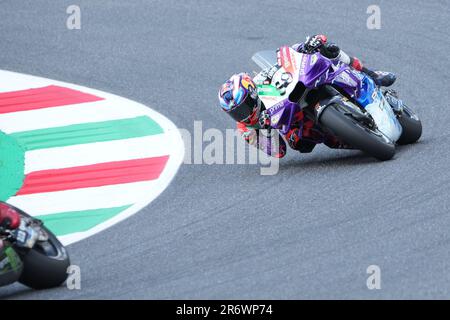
(12, 164)
(78, 221)
(87, 133)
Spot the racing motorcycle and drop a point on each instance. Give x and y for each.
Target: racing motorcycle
(31, 254)
(342, 101)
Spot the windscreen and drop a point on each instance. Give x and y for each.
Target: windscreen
(265, 59)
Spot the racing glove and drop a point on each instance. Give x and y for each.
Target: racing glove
(314, 43)
(264, 120)
(330, 50)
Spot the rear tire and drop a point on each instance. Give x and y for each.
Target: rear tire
(355, 134)
(411, 125)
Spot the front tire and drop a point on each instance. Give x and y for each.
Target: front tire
(44, 266)
(411, 127)
(357, 135)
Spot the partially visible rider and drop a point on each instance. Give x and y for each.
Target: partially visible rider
(9, 218)
(11, 266)
(238, 97)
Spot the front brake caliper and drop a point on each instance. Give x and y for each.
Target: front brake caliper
(26, 234)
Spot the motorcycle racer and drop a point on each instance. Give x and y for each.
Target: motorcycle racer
(238, 97)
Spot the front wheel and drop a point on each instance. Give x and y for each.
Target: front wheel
(356, 134)
(411, 127)
(44, 266)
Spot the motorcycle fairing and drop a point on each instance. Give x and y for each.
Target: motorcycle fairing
(372, 99)
(314, 70)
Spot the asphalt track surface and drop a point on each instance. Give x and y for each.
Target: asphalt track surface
(224, 231)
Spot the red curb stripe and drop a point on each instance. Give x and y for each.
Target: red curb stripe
(95, 175)
(39, 98)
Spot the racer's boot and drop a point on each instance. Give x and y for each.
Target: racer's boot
(297, 140)
(381, 78)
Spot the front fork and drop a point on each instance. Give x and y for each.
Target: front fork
(391, 97)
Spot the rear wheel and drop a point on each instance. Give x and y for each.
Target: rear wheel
(411, 125)
(356, 133)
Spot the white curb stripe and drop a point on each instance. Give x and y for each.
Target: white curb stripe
(98, 111)
(99, 197)
(98, 152)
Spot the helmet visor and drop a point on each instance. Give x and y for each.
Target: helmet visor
(245, 110)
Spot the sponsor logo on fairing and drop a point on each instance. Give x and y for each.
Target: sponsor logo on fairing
(276, 107)
(374, 95)
(279, 59)
(269, 73)
(276, 118)
(345, 78)
(287, 77)
(303, 64)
